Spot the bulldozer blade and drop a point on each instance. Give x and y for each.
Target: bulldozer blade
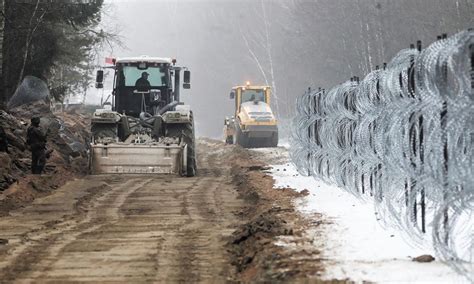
(136, 159)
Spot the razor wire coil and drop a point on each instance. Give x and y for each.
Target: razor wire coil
(404, 137)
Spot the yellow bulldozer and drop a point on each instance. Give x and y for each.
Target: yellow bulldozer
(253, 124)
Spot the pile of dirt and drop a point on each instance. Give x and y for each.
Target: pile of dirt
(67, 138)
(269, 217)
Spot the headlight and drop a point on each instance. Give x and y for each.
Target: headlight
(107, 115)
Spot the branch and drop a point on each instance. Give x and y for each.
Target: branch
(29, 37)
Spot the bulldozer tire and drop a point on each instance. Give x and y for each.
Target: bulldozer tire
(123, 130)
(189, 139)
(274, 140)
(103, 130)
(240, 138)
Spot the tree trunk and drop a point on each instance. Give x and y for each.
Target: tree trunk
(2, 28)
(29, 39)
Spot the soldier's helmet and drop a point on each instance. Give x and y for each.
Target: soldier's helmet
(35, 120)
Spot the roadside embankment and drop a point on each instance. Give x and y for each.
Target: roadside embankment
(67, 138)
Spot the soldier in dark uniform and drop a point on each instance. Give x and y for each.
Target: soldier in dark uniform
(3, 140)
(36, 139)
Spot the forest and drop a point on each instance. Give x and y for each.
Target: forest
(55, 41)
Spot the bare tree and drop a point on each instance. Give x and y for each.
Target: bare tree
(33, 25)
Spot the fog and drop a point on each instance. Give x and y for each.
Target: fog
(289, 45)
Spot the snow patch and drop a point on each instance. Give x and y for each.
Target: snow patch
(356, 245)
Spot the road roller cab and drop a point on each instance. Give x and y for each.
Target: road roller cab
(254, 124)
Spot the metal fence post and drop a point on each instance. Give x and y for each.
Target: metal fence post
(409, 182)
(421, 153)
(444, 117)
(309, 132)
(471, 49)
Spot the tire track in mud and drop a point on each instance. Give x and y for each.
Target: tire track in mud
(131, 229)
(34, 242)
(47, 244)
(93, 221)
(199, 248)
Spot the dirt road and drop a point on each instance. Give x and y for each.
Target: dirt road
(225, 224)
(127, 228)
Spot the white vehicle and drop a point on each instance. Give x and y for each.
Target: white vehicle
(146, 129)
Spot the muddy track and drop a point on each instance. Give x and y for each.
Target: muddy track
(226, 224)
(127, 228)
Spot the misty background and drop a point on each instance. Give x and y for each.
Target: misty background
(288, 45)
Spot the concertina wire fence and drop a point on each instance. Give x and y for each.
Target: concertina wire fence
(404, 137)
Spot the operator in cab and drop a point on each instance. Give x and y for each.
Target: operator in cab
(142, 84)
(255, 99)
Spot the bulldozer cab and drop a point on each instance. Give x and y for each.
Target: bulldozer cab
(248, 93)
(142, 86)
(255, 124)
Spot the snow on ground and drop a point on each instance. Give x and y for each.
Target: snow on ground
(356, 245)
